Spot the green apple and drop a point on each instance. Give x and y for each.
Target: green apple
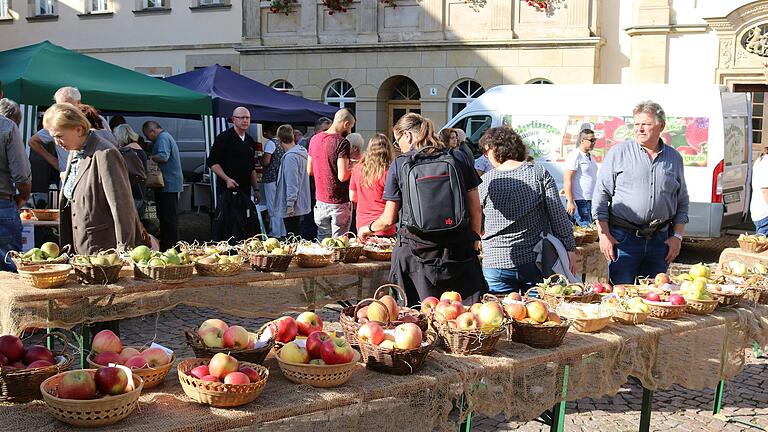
(156, 262)
(141, 253)
(50, 249)
(271, 244)
(277, 251)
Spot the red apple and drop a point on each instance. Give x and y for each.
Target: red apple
(490, 316)
(653, 296)
(466, 321)
(336, 351)
(136, 362)
(676, 299)
(11, 347)
(155, 357)
(286, 329)
(105, 341)
(362, 313)
(222, 364)
(308, 322)
(661, 279)
(371, 332)
(251, 373)
(106, 358)
(212, 323)
(200, 371)
(253, 339)
(236, 337)
(111, 380)
(449, 310)
(210, 378)
(315, 341)
(392, 307)
(428, 305)
(39, 364)
(408, 336)
(450, 295)
(77, 384)
(127, 353)
(598, 288)
(37, 352)
(515, 296)
(236, 378)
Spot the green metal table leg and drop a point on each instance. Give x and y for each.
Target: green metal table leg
(85, 343)
(558, 411)
(645, 410)
(466, 426)
(756, 347)
(718, 404)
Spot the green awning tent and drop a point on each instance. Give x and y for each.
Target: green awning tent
(30, 75)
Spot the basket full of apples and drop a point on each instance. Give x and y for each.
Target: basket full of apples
(24, 368)
(100, 269)
(629, 311)
(92, 397)
(151, 364)
(476, 330)
(556, 289)
(586, 318)
(170, 266)
(215, 336)
(535, 325)
(48, 253)
(401, 350)
(346, 248)
(379, 248)
(219, 264)
(321, 360)
(268, 254)
(222, 381)
(672, 307)
(313, 255)
(726, 295)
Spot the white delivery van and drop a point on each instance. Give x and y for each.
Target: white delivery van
(708, 125)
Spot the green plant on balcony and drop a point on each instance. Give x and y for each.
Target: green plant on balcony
(283, 6)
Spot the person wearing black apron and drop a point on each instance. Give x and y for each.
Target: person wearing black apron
(428, 265)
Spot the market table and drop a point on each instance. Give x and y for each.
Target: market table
(748, 258)
(518, 381)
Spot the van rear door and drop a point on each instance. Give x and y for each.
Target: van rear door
(730, 183)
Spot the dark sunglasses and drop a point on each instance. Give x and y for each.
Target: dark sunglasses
(592, 140)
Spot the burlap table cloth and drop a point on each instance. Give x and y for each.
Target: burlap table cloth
(249, 294)
(518, 381)
(748, 258)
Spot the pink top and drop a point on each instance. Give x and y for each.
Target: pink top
(370, 204)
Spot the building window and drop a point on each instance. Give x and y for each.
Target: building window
(462, 94)
(341, 94)
(97, 6)
(539, 81)
(154, 4)
(210, 2)
(282, 85)
(44, 7)
(406, 90)
(5, 6)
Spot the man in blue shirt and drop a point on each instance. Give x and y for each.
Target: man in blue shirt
(166, 153)
(641, 201)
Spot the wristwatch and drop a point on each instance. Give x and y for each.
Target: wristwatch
(678, 235)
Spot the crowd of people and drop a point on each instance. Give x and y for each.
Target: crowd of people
(444, 207)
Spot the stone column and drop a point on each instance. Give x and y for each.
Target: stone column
(368, 25)
(252, 22)
(307, 23)
(650, 40)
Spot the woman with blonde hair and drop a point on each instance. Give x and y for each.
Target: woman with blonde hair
(95, 186)
(366, 186)
(432, 191)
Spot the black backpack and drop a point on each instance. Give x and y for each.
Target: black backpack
(433, 193)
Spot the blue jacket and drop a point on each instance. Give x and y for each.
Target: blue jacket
(293, 183)
(165, 146)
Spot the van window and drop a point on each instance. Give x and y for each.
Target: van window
(735, 140)
(474, 126)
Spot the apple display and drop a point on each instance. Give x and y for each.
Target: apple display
(11, 347)
(661, 279)
(514, 296)
(475, 308)
(235, 337)
(200, 371)
(106, 358)
(37, 352)
(362, 313)
(77, 384)
(428, 305)
(449, 310)
(111, 380)
(308, 322)
(293, 353)
(106, 340)
(554, 317)
(237, 378)
(450, 295)
(317, 362)
(337, 351)
(315, 342)
(371, 333)
(466, 321)
(387, 344)
(155, 357)
(221, 364)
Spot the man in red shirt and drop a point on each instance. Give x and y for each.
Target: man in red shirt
(329, 164)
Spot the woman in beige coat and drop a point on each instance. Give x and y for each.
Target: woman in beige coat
(95, 200)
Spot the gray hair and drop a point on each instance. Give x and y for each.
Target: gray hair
(356, 140)
(67, 94)
(124, 134)
(10, 109)
(322, 121)
(651, 107)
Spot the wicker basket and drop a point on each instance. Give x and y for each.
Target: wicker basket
(270, 263)
(727, 299)
(97, 275)
(23, 385)
(417, 317)
(152, 377)
(756, 294)
(630, 318)
(591, 325)
(701, 307)
(104, 411)
(256, 355)
(324, 376)
(17, 259)
(539, 336)
(219, 270)
(46, 214)
(753, 247)
(171, 274)
(216, 394)
(377, 255)
(349, 324)
(467, 342)
(665, 310)
(349, 255)
(397, 361)
(45, 275)
(314, 260)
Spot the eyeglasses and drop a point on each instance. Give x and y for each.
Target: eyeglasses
(592, 140)
(241, 117)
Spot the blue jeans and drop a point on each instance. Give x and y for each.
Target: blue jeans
(517, 279)
(761, 226)
(637, 256)
(583, 214)
(10, 233)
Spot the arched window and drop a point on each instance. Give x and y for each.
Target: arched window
(406, 90)
(462, 94)
(341, 94)
(539, 81)
(282, 85)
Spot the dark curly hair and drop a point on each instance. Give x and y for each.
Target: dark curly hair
(505, 143)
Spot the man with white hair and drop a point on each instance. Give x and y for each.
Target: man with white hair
(232, 160)
(640, 201)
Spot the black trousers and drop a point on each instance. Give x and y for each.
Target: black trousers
(167, 209)
(292, 225)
